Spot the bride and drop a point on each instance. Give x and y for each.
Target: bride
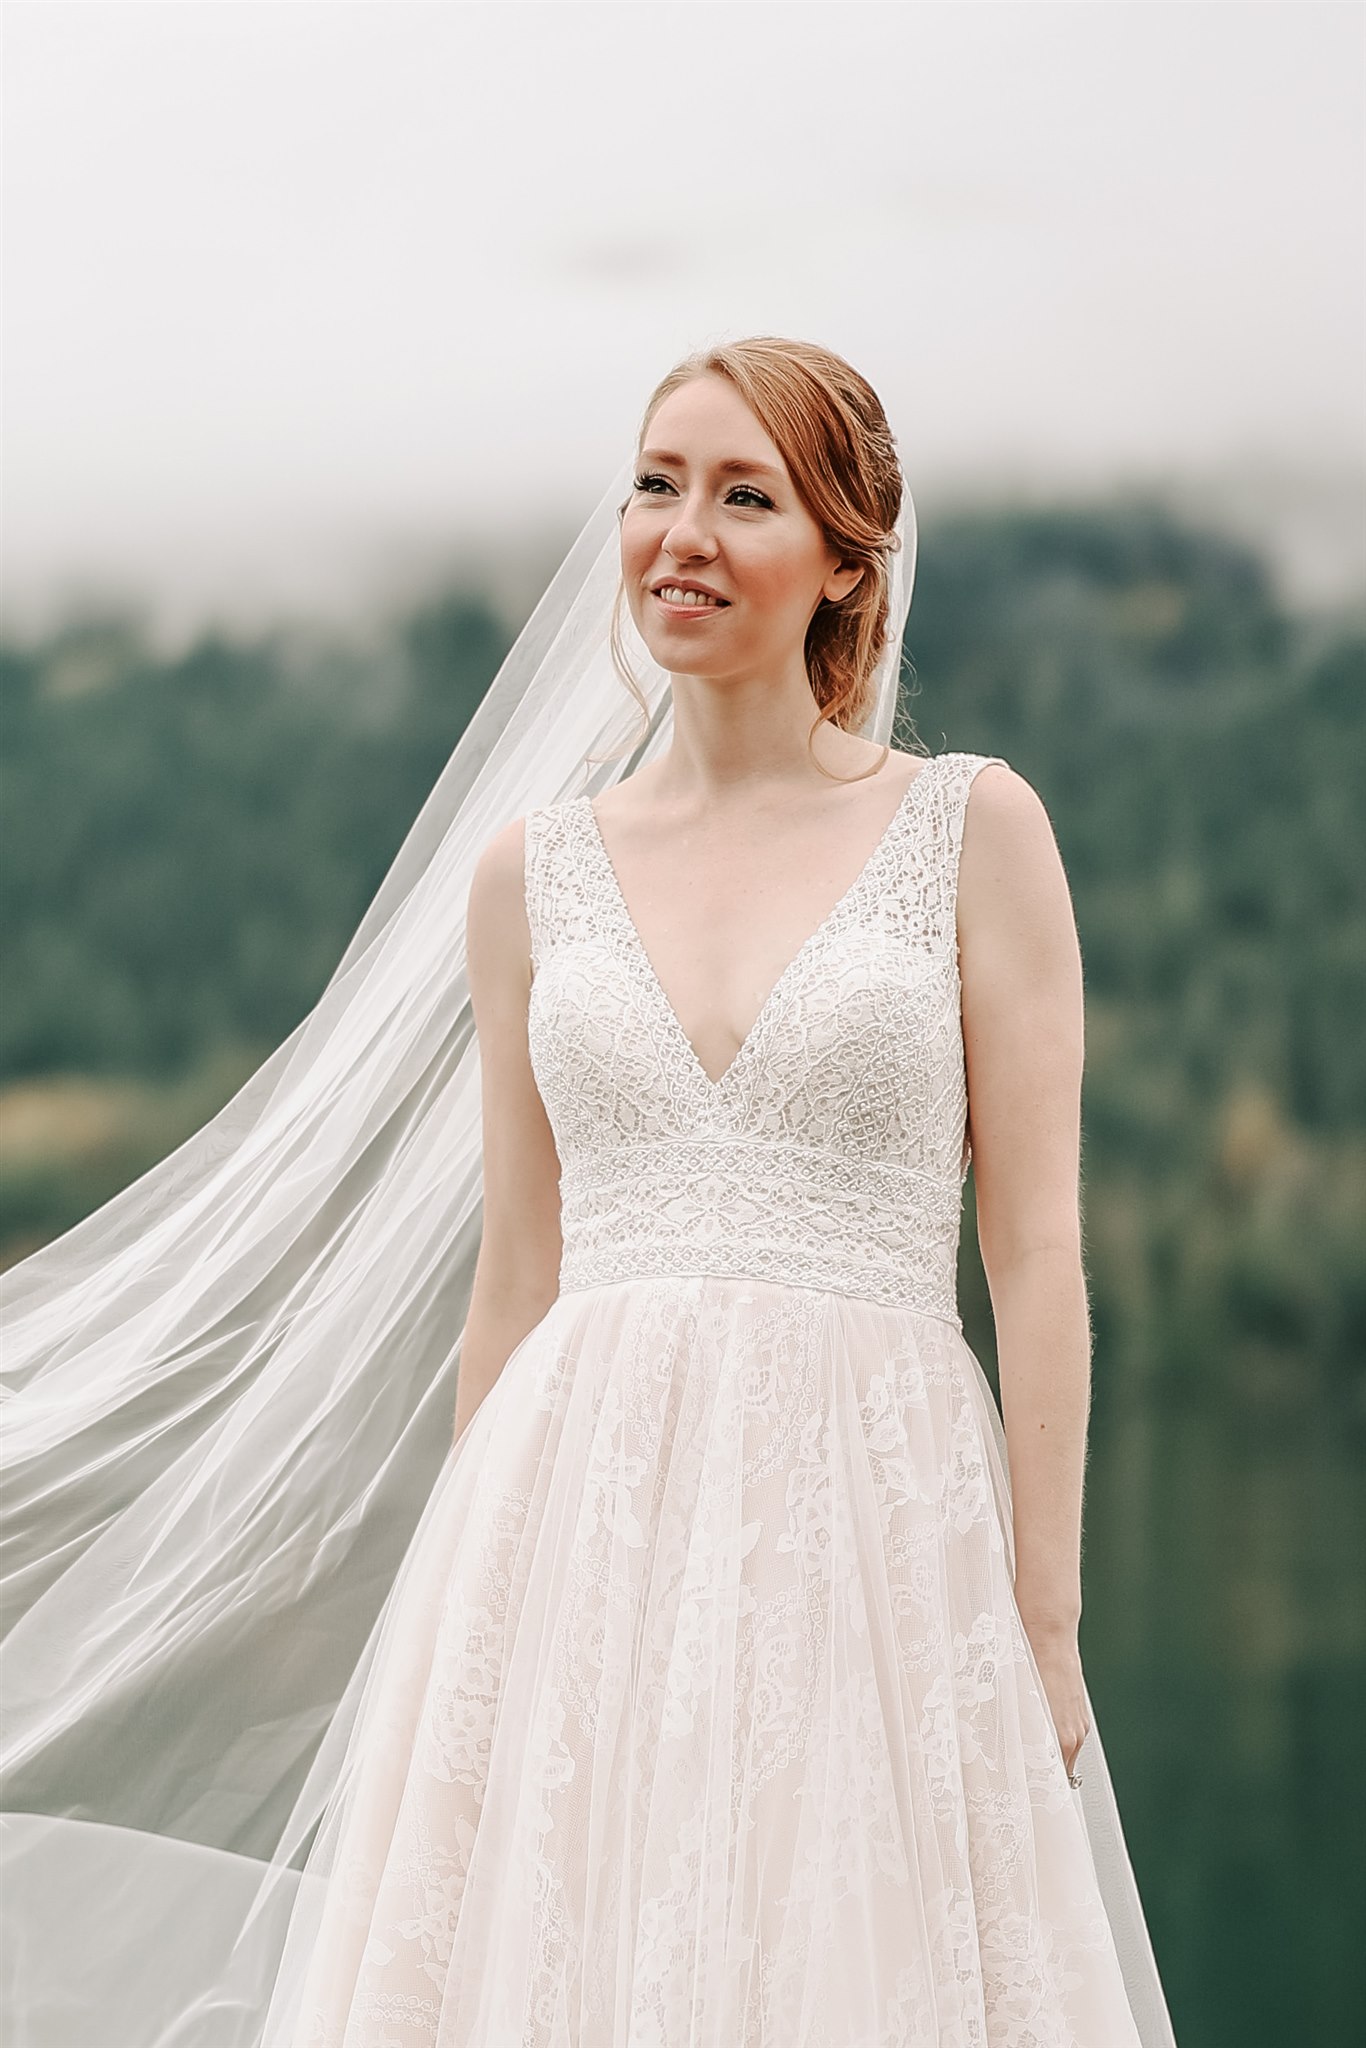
(718, 1681)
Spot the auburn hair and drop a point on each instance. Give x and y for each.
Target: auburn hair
(828, 424)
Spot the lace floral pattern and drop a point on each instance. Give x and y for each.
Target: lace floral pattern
(832, 1152)
(705, 1715)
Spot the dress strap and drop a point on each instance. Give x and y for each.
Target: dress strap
(533, 884)
(957, 775)
(551, 880)
(958, 772)
(922, 897)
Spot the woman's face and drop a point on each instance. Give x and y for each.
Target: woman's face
(713, 505)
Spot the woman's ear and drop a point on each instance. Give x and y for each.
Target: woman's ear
(841, 581)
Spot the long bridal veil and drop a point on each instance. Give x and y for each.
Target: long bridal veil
(226, 1402)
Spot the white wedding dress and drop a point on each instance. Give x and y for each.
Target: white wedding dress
(703, 1715)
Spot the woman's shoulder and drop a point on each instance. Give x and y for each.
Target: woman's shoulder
(965, 762)
(504, 853)
(1008, 841)
(958, 757)
(510, 862)
(497, 884)
(988, 783)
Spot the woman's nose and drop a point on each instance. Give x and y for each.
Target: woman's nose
(690, 533)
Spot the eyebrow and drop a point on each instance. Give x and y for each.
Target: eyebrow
(731, 468)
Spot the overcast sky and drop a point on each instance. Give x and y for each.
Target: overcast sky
(298, 295)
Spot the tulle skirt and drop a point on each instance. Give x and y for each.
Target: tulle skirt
(700, 1715)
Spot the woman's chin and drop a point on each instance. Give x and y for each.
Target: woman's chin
(671, 651)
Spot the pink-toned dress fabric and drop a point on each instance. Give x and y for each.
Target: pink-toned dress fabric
(704, 1716)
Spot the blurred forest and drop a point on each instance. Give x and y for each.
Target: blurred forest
(188, 844)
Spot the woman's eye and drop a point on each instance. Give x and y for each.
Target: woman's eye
(643, 485)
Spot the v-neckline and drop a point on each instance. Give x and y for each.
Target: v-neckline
(631, 934)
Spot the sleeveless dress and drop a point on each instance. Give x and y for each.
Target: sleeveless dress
(705, 1717)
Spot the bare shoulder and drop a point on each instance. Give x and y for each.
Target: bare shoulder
(497, 930)
(501, 866)
(1005, 820)
(1011, 879)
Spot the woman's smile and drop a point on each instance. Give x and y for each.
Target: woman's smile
(692, 607)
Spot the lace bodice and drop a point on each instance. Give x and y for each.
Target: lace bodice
(832, 1152)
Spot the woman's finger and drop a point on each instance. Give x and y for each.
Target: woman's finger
(1073, 1749)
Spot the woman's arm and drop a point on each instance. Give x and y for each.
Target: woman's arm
(516, 1276)
(1023, 1039)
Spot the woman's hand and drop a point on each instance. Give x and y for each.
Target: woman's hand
(1058, 1656)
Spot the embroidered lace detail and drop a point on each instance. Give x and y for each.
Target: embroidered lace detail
(752, 1208)
(708, 1715)
(705, 1713)
(832, 1151)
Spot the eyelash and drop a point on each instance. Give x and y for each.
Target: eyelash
(653, 477)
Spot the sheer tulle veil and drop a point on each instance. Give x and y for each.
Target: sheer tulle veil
(227, 1400)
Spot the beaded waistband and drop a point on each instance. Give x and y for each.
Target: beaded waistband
(755, 1208)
